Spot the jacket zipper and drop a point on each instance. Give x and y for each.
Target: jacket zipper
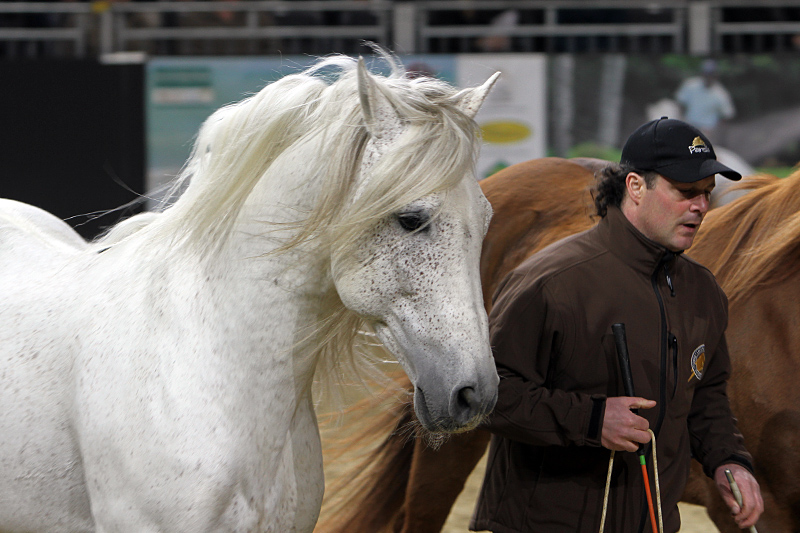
(673, 342)
(664, 262)
(669, 278)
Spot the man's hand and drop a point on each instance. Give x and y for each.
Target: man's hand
(752, 504)
(623, 430)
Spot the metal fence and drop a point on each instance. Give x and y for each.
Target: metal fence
(80, 29)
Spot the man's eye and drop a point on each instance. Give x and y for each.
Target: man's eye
(413, 221)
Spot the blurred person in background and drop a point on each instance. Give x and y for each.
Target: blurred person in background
(705, 102)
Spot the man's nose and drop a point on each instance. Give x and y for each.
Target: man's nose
(701, 204)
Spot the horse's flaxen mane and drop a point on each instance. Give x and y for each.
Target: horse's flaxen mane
(377, 499)
(238, 145)
(756, 239)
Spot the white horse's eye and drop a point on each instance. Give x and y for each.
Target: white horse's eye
(414, 221)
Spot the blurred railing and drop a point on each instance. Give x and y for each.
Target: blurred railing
(29, 29)
(550, 26)
(256, 27)
(78, 29)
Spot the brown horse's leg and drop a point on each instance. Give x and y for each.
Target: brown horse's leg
(778, 464)
(697, 489)
(437, 478)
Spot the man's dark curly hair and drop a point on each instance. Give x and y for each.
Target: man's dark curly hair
(609, 189)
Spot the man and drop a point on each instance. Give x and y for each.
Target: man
(705, 101)
(561, 406)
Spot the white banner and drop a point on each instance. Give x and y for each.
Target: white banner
(514, 117)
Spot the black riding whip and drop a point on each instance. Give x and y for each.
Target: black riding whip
(620, 339)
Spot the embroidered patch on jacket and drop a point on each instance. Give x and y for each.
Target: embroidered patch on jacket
(698, 362)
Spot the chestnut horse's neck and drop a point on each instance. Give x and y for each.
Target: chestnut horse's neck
(550, 199)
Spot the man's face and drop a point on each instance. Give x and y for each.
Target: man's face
(671, 212)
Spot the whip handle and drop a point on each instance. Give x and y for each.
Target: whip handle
(621, 340)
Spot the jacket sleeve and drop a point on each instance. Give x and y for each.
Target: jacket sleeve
(525, 337)
(714, 436)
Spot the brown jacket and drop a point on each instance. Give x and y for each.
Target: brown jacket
(555, 353)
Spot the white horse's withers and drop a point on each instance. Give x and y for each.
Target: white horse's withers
(160, 378)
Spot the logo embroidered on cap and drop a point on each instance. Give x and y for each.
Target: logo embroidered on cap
(698, 146)
(698, 362)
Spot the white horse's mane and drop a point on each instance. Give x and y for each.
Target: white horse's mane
(238, 144)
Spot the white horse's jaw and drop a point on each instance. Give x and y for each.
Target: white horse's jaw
(422, 292)
(453, 401)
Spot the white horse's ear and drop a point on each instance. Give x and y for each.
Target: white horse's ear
(379, 114)
(472, 99)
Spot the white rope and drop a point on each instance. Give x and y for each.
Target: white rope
(605, 495)
(655, 479)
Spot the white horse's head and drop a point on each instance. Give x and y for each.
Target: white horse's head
(376, 175)
(413, 272)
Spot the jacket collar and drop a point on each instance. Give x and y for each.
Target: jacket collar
(626, 242)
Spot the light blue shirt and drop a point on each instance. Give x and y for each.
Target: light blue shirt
(705, 106)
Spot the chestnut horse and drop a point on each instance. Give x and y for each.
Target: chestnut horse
(753, 247)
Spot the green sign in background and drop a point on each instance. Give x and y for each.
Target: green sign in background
(182, 92)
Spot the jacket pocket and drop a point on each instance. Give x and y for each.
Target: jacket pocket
(683, 388)
(673, 351)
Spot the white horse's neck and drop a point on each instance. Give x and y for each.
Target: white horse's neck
(259, 287)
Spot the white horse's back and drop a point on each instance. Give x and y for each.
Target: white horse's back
(26, 230)
(47, 229)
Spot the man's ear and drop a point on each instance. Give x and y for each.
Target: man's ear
(635, 185)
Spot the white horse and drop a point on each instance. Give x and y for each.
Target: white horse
(159, 379)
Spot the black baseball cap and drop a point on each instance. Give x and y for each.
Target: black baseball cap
(674, 149)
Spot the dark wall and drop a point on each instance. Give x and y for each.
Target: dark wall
(72, 138)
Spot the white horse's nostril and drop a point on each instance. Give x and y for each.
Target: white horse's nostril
(467, 398)
(465, 405)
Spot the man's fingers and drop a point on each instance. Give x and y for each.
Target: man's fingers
(642, 437)
(730, 501)
(635, 438)
(752, 503)
(642, 403)
(630, 446)
(623, 429)
(747, 514)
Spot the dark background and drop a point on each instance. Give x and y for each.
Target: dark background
(72, 139)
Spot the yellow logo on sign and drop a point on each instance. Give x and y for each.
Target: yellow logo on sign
(504, 132)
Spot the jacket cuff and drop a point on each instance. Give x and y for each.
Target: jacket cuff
(595, 430)
(735, 458)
